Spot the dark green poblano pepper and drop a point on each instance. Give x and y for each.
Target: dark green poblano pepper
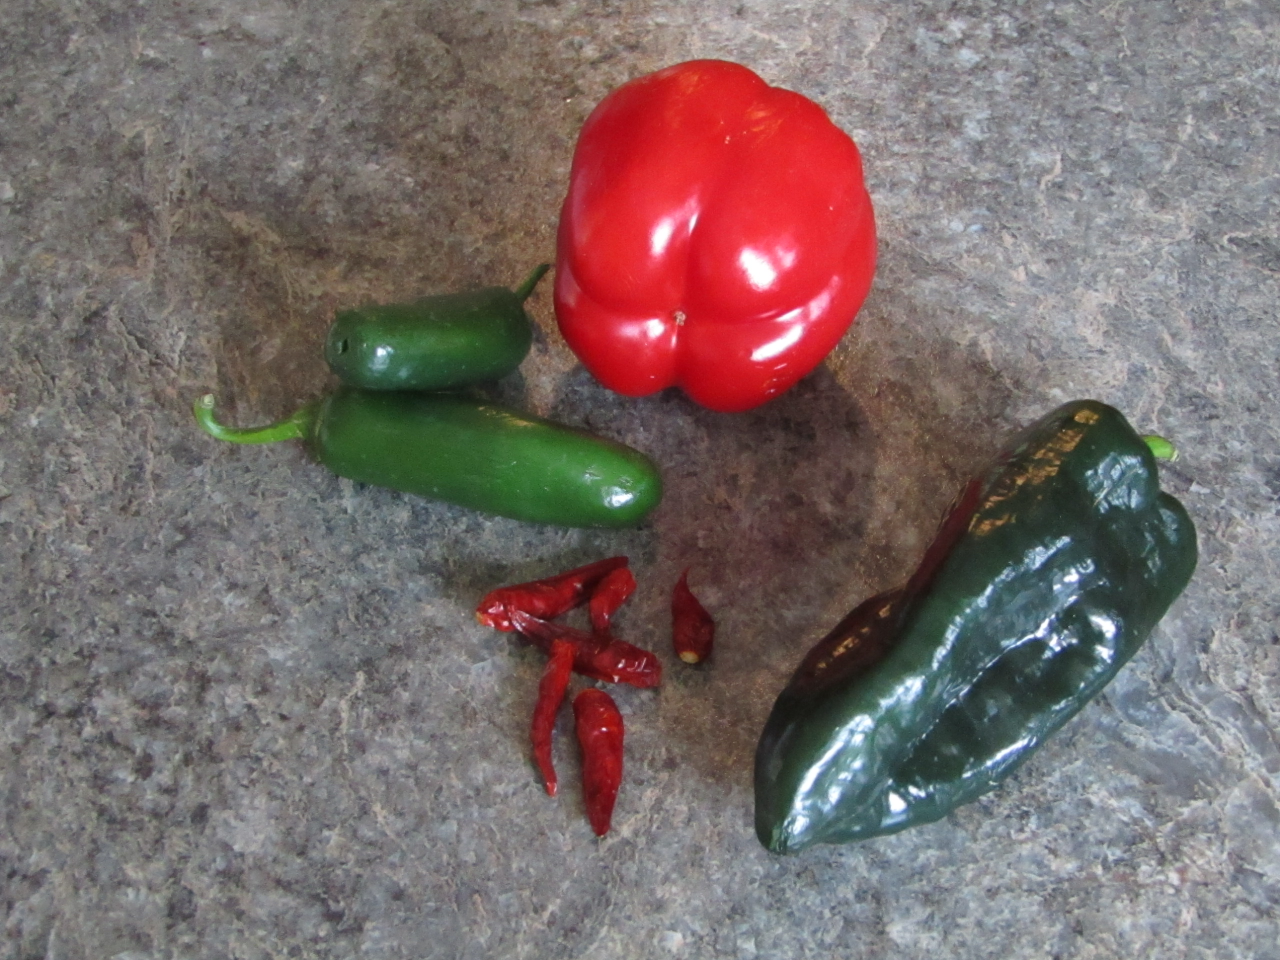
(436, 343)
(1045, 578)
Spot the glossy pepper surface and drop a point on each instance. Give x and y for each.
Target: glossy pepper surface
(716, 236)
(607, 599)
(600, 735)
(546, 598)
(1046, 577)
(604, 658)
(551, 691)
(469, 452)
(436, 343)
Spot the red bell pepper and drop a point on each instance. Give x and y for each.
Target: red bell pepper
(716, 236)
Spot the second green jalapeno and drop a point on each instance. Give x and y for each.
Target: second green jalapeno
(469, 452)
(436, 343)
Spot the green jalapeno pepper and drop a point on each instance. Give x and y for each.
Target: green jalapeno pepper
(436, 343)
(1046, 577)
(469, 452)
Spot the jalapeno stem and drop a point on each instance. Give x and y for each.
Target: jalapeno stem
(1160, 447)
(525, 289)
(294, 427)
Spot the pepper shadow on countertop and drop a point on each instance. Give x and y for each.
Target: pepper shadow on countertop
(788, 515)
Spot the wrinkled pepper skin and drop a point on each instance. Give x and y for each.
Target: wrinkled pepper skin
(600, 730)
(436, 343)
(716, 236)
(547, 598)
(469, 452)
(693, 632)
(604, 658)
(1041, 585)
(551, 692)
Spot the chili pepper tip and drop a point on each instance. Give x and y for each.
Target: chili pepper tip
(692, 628)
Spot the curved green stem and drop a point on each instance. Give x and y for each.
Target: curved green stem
(522, 292)
(1162, 448)
(295, 427)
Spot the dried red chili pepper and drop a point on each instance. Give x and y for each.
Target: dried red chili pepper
(609, 595)
(551, 690)
(545, 598)
(692, 629)
(600, 658)
(600, 732)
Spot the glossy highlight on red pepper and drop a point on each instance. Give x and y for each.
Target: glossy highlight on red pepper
(716, 236)
(600, 734)
(600, 658)
(545, 598)
(692, 630)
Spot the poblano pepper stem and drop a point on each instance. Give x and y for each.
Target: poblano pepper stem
(1160, 448)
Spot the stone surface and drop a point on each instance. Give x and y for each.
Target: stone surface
(245, 711)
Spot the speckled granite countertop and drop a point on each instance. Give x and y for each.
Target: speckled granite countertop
(245, 711)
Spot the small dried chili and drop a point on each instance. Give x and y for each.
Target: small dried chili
(600, 658)
(599, 727)
(527, 608)
(692, 630)
(551, 690)
(545, 598)
(609, 595)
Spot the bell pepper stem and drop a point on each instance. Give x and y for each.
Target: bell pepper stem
(294, 427)
(1160, 447)
(525, 289)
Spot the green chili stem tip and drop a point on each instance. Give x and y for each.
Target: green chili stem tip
(1161, 448)
(522, 292)
(293, 427)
